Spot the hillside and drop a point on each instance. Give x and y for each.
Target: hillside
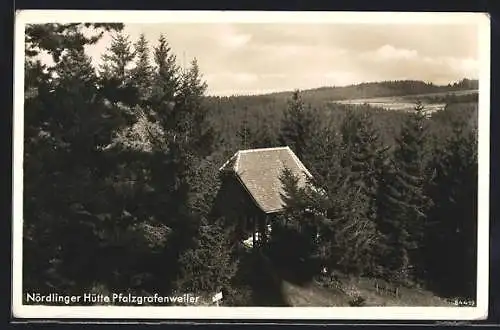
(388, 95)
(279, 287)
(380, 89)
(313, 295)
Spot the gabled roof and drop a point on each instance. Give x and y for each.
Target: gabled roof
(259, 172)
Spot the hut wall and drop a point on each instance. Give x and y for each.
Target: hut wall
(237, 207)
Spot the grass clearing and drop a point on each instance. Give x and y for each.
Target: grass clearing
(276, 286)
(313, 294)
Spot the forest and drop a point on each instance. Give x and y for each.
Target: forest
(121, 170)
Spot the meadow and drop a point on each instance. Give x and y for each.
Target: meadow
(432, 101)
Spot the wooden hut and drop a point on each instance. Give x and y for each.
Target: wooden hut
(250, 192)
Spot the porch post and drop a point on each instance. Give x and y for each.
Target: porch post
(265, 232)
(252, 219)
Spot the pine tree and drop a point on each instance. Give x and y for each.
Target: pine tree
(404, 204)
(244, 133)
(361, 159)
(266, 134)
(165, 82)
(323, 226)
(164, 154)
(117, 58)
(324, 158)
(350, 239)
(294, 234)
(452, 231)
(74, 136)
(57, 38)
(297, 126)
(336, 204)
(208, 266)
(294, 198)
(196, 139)
(182, 179)
(62, 166)
(254, 130)
(192, 114)
(136, 147)
(142, 73)
(115, 75)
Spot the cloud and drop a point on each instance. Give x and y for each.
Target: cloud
(427, 39)
(227, 36)
(235, 40)
(466, 66)
(388, 52)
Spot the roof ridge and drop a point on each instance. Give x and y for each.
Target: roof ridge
(299, 162)
(236, 154)
(237, 161)
(263, 149)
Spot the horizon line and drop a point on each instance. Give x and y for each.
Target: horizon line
(272, 92)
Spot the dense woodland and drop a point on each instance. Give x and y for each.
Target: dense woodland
(121, 161)
(381, 89)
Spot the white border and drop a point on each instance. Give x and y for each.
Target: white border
(264, 313)
(181, 16)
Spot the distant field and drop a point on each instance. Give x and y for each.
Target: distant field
(407, 102)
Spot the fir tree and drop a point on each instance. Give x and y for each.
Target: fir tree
(244, 133)
(294, 234)
(165, 81)
(323, 225)
(142, 73)
(208, 266)
(57, 38)
(266, 135)
(115, 75)
(183, 183)
(294, 199)
(361, 159)
(405, 203)
(62, 164)
(195, 138)
(192, 114)
(76, 132)
(117, 58)
(164, 158)
(452, 230)
(324, 158)
(297, 126)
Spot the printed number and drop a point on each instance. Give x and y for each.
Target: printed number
(463, 302)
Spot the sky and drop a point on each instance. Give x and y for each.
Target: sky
(254, 58)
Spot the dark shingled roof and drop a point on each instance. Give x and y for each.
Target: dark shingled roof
(259, 171)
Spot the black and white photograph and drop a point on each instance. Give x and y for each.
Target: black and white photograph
(233, 165)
